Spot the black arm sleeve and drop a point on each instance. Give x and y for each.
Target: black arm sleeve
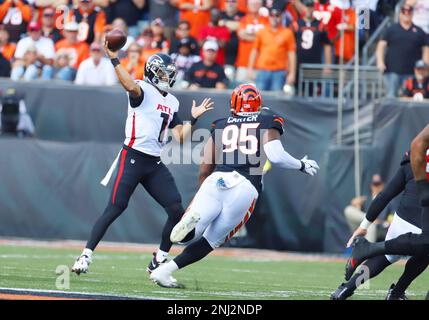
(135, 102)
(391, 190)
(175, 121)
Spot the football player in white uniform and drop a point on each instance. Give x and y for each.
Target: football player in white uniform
(152, 109)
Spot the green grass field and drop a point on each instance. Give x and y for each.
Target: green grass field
(120, 273)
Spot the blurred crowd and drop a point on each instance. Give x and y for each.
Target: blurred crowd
(215, 43)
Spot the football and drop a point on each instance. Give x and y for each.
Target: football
(116, 39)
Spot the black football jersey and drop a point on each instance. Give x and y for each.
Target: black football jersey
(310, 39)
(239, 143)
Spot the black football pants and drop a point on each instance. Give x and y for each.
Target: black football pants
(136, 167)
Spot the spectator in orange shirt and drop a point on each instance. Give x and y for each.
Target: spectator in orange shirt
(250, 24)
(133, 62)
(77, 51)
(241, 5)
(348, 25)
(15, 16)
(274, 52)
(91, 20)
(7, 49)
(196, 12)
(146, 41)
(48, 25)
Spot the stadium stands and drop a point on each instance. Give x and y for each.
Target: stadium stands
(232, 24)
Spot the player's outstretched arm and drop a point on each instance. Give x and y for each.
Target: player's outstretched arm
(418, 154)
(124, 77)
(181, 132)
(278, 156)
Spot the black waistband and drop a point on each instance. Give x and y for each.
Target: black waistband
(141, 154)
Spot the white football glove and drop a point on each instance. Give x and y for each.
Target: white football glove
(309, 166)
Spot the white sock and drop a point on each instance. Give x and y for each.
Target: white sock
(171, 266)
(87, 252)
(161, 255)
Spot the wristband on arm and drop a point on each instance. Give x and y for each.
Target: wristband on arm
(365, 224)
(193, 120)
(115, 62)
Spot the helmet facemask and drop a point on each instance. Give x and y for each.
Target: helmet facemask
(164, 77)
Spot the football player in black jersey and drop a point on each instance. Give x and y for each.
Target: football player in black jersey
(411, 244)
(406, 219)
(230, 179)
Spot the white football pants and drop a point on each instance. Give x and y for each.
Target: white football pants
(225, 201)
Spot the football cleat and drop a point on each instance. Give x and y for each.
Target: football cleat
(164, 279)
(391, 295)
(184, 226)
(342, 293)
(153, 264)
(81, 264)
(358, 255)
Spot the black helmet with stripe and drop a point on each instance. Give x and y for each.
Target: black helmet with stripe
(161, 71)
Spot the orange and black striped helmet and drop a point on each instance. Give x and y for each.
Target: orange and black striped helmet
(245, 99)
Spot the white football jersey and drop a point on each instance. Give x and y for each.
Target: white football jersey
(147, 125)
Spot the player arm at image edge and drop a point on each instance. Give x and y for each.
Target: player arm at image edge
(418, 152)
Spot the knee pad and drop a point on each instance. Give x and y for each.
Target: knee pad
(175, 211)
(423, 192)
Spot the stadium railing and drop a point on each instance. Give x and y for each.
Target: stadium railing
(315, 82)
